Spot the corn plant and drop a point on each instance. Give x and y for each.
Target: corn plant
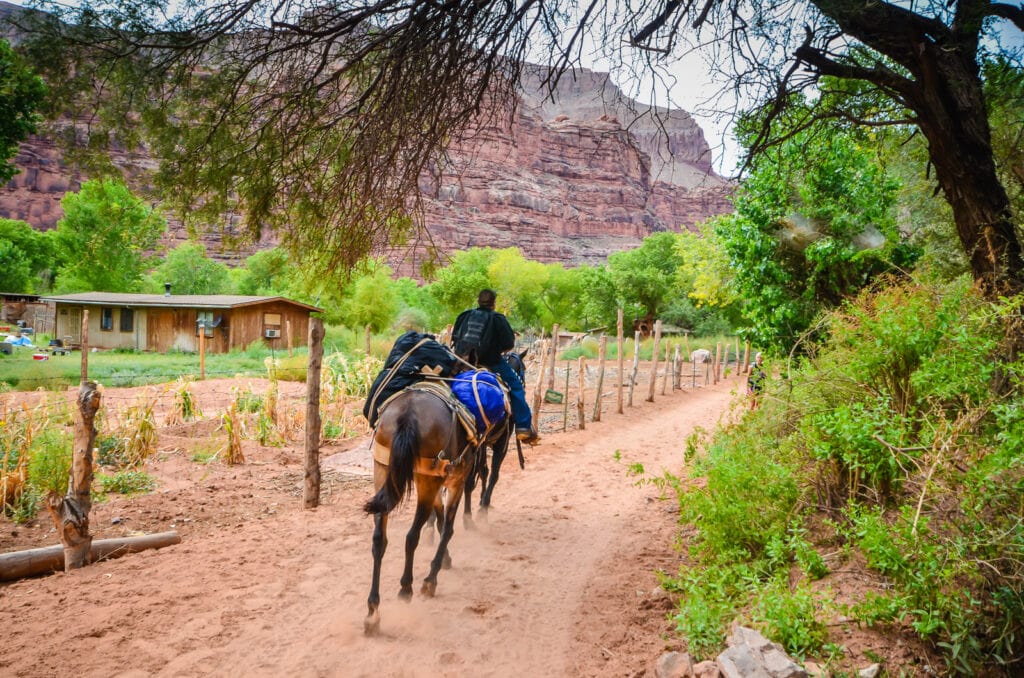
(234, 427)
(186, 408)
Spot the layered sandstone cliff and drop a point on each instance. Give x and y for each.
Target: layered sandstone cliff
(571, 179)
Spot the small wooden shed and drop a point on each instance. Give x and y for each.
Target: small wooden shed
(164, 322)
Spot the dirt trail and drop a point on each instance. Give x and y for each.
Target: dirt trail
(558, 581)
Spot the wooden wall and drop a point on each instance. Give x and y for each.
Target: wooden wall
(250, 323)
(165, 329)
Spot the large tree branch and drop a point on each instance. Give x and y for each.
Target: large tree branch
(1014, 13)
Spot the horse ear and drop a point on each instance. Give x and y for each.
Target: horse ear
(523, 354)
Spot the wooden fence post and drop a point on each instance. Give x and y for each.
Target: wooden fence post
(85, 346)
(621, 349)
(288, 335)
(737, 355)
(565, 397)
(367, 340)
(686, 338)
(654, 360)
(601, 352)
(636, 366)
(538, 393)
(71, 513)
(579, 399)
(677, 370)
(202, 352)
(554, 355)
(311, 485)
(746, 357)
(668, 368)
(714, 365)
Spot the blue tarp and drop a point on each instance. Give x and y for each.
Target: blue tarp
(18, 341)
(474, 385)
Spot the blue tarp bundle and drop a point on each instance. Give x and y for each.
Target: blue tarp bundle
(476, 388)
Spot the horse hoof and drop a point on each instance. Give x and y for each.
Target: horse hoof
(371, 625)
(405, 593)
(467, 523)
(429, 588)
(446, 563)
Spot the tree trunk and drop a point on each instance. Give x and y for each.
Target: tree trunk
(71, 514)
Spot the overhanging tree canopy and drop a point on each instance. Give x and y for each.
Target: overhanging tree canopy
(319, 118)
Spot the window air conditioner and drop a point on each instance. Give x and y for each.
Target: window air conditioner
(272, 334)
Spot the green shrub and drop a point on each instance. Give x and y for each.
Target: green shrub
(126, 482)
(49, 465)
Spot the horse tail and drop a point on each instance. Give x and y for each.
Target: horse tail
(404, 446)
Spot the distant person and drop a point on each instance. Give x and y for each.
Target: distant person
(756, 379)
(481, 335)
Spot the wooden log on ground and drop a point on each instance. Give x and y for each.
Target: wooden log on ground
(70, 513)
(311, 484)
(20, 564)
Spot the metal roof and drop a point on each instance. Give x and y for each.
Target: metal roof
(170, 301)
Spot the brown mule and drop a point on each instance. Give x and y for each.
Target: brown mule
(420, 441)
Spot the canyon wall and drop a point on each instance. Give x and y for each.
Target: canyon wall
(571, 178)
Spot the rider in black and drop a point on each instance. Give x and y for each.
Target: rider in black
(482, 335)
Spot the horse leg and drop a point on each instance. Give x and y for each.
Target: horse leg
(371, 625)
(426, 489)
(497, 457)
(467, 513)
(437, 518)
(430, 583)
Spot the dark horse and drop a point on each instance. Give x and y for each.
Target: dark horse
(418, 441)
(498, 441)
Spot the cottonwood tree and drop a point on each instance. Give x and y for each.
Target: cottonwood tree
(319, 117)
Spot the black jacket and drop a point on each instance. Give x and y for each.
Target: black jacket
(497, 338)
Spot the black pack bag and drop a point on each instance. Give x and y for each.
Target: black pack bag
(471, 334)
(404, 366)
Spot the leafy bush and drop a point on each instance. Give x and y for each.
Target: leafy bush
(126, 482)
(893, 427)
(49, 465)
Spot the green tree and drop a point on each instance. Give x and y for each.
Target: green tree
(15, 275)
(21, 93)
(26, 257)
(646, 278)
(370, 298)
(457, 284)
(269, 272)
(814, 224)
(106, 238)
(519, 283)
(190, 271)
(325, 125)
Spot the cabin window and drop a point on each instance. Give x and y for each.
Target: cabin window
(127, 319)
(272, 319)
(204, 323)
(106, 319)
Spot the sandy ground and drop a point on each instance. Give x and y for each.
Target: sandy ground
(557, 580)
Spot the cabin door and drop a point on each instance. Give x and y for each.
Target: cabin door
(160, 330)
(72, 330)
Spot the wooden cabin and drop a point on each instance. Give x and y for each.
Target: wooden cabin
(165, 322)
